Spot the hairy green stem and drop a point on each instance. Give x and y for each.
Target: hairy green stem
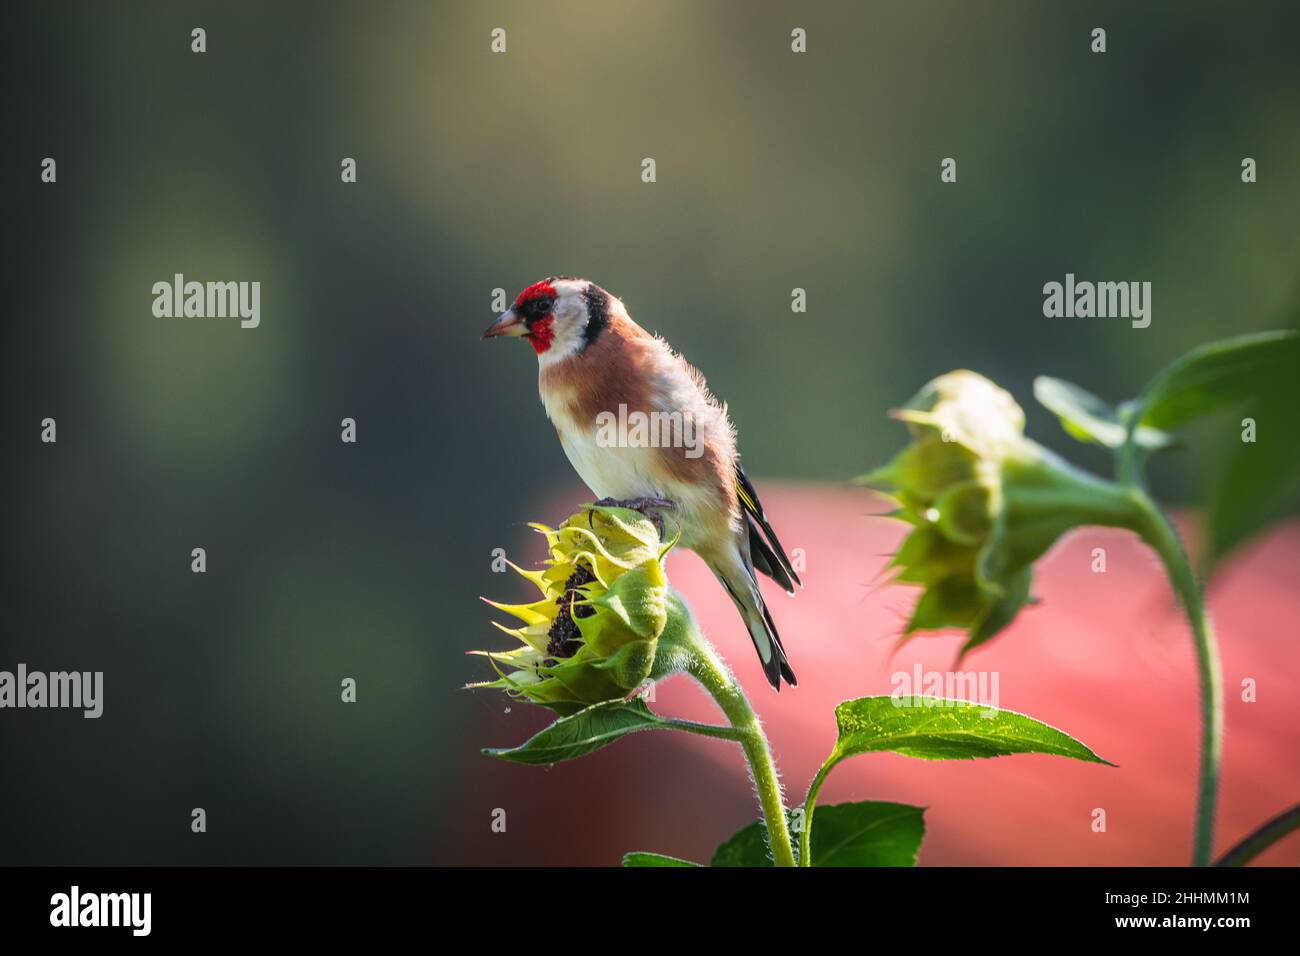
(704, 664)
(1160, 534)
(809, 805)
(1286, 822)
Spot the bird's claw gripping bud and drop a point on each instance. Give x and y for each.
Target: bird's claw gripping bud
(984, 502)
(593, 634)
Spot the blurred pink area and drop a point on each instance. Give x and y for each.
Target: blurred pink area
(1106, 657)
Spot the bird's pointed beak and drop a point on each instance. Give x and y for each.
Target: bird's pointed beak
(506, 324)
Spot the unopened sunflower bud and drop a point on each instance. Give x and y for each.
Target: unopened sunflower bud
(984, 502)
(593, 634)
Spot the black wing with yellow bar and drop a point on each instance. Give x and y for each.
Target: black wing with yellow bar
(765, 549)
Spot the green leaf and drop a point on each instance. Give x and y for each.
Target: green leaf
(1088, 418)
(641, 858)
(932, 728)
(935, 728)
(868, 834)
(579, 734)
(747, 847)
(1216, 376)
(1256, 481)
(847, 834)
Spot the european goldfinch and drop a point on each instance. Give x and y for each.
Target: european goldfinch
(597, 367)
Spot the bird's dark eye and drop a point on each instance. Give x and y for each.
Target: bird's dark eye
(536, 309)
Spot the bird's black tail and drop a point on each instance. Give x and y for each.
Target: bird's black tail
(743, 588)
(782, 663)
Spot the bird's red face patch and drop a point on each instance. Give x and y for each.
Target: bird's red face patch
(534, 307)
(538, 290)
(541, 334)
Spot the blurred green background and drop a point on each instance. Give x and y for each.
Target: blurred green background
(478, 171)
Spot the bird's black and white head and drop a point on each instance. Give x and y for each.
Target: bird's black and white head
(559, 316)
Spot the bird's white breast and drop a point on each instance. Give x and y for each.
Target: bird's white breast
(623, 472)
(608, 470)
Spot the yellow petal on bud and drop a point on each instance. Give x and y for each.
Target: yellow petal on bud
(536, 577)
(533, 613)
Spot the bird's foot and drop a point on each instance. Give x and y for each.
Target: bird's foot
(636, 504)
(650, 507)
